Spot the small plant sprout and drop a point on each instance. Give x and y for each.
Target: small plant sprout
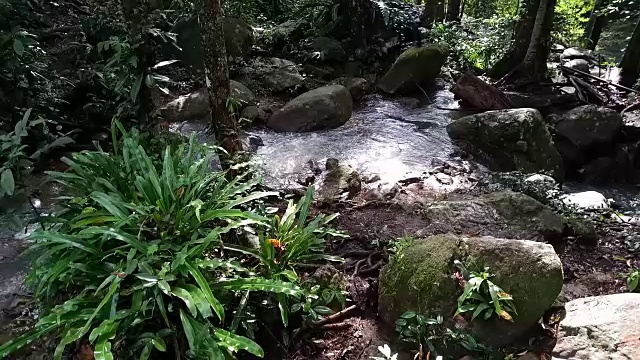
(482, 297)
(632, 279)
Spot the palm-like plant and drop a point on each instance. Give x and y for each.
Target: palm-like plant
(135, 258)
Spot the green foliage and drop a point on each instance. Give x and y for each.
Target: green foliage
(569, 21)
(398, 246)
(482, 297)
(430, 335)
(133, 262)
(475, 43)
(317, 302)
(633, 278)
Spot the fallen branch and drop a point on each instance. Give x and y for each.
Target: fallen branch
(334, 317)
(609, 82)
(590, 89)
(579, 93)
(358, 264)
(334, 327)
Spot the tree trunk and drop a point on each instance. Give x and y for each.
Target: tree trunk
(593, 29)
(521, 40)
(217, 76)
(429, 13)
(453, 10)
(478, 94)
(630, 64)
(533, 67)
(359, 21)
(133, 12)
(440, 11)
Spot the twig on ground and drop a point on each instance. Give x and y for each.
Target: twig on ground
(337, 326)
(335, 317)
(358, 264)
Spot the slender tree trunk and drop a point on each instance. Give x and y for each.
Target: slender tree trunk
(630, 64)
(533, 67)
(217, 77)
(521, 40)
(358, 19)
(429, 13)
(440, 11)
(601, 23)
(133, 12)
(593, 29)
(464, 2)
(453, 10)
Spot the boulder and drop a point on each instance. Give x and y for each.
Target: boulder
(341, 181)
(323, 108)
(515, 139)
(271, 75)
(238, 39)
(575, 53)
(586, 126)
(420, 279)
(330, 50)
(505, 214)
(578, 64)
(250, 113)
(587, 200)
(600, 327)
(358, 87)
(196, 105)
(290, 30)
(414, 66)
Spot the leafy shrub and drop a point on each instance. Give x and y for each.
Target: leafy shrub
(569, 20)
(633, 278)
(482, 297)
(134, 263)
(475, 43)
(292, 240)
(432, 336)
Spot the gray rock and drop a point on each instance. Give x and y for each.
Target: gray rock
(504, 214)
(578, 64)
(238, 39)
(575, 53)
(587, 200)
(587, 125)
(358, 87)
(420, 279)
(341, 181)
(196, 105)
(250, 113)
(271, 75)
(414, 66)
(515, 139)
(323, 108)
(600, 328)
(330, 49)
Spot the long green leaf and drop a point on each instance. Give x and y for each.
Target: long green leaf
(25, 339)
(260, 284)
(206, 290)
(232, 341)
(186, 298)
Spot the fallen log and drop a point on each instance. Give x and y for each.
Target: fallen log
(599, 79)
(474, 92)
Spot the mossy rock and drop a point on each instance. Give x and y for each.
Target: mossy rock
(420, 280)
(508, 140)
(415, 66)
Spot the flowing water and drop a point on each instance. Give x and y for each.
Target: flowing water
(387, 137)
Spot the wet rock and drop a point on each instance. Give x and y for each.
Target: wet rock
(587, 126)
(578, 64)
(358, 87)
(583, 230)
(600, 327)
(291, 30)
(323, 108)
(238, 39)
(599, 171)
(444, 179)
(330, 50)
(323, 73)
(505, 214)
(414, 66)
(540, 178)
(196, 105)
(271, 75)
(421, 280)
(250, 113)
(508, 140)
(587, 200)
(341, 181)
(575, 53)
